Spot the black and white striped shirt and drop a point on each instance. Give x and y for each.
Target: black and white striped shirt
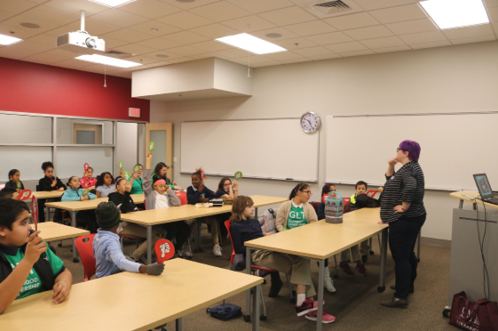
(405, 185)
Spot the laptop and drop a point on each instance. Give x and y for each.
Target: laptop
(485, 189)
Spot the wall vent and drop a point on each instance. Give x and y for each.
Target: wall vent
(332, 8)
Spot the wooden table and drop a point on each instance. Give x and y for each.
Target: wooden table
(132, 301)
(471, 196)
(320, 240)
(74, 206)
(51, 231)
(149, 218)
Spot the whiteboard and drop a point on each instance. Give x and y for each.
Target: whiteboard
(453, 147)
(259, 148)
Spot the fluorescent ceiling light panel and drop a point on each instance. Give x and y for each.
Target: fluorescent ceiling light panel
(8, 40)
(448, 14)
(108, 61)
(251, 44)
(112, 3)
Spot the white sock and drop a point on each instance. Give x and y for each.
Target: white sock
(300, 299)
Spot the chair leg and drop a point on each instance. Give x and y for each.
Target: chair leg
(263, 317)
(370, 246)
(380, 246)
(293, 296)
(336, 275)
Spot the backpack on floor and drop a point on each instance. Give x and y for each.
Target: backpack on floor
(225, 311)
(267, 221)
(334, 208)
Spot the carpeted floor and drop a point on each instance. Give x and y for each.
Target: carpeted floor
(355, 304)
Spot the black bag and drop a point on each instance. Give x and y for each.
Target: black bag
(225, 311)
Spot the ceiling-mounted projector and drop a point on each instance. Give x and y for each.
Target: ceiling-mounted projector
(81, 41)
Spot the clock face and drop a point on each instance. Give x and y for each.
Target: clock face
(310, 122)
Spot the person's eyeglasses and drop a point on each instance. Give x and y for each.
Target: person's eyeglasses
(307, 192)
(399, 149)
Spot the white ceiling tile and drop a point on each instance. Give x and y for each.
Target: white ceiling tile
(5, 14)
(288, 16)
(220, 11)
(258, 6)
(159, 43)
(119, 18)
(20, 32)
(215, 31)
(431, 44)
(469, 32)
(377, 4)
(249, 24)
(202, 56)
(369, 33)
(383, 42)
(254, 59)
(211, 46)
(111, 43)
(45, 58)
(186, 50)
(134, 49)
(283, 56)
(311, 28)
(23, 49)
(353, 21)
(44, 39)
(423, 37)
(188, 5)
(330, 38)
(495, 27)
(493, 14)
(52, 15)
(185, 20)
(73, 64)
(357, 53)
(268, 64)
(15, 23)
(233, 53)
(149, 8)
(346, 47)
(413, 26)
(393, 49)
(470, 40)
(303, 59)
(185, 37)
(325, 57)
(491, 3)
(76, 6)
(171, 55)
(399, 14)
(286, 34)
(96, 27)
(154, 28)
(16, 6)
(128, 35)
(313, 51)
(295, 43)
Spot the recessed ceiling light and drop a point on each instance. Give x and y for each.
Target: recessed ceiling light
(109, 61)
(8, 40)
(251, 44)
(112, 3)
(162, 56)
(30, 25)
(448, 14)
(274, 35)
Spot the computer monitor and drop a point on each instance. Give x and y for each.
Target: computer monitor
(483, 185)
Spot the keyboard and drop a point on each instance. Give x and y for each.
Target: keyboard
(493, 200)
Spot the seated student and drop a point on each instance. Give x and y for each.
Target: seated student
(49, 183)
(198, 193)
(228, 190)
(105, 185)
(14, 180)
(298, 212)
(122, 199)
(107, 248)
(326, 189)
(27, 266)
(160, 173)
(8, 193)
(87, 181)
(137, 181)
(75, 193)
(159, 195)
(243, 228)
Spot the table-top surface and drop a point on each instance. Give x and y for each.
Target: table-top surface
(47, 194)
(129, 301)
(166, 215)
(88, 204)
(321, 240)
(471, 196)
(51, 231)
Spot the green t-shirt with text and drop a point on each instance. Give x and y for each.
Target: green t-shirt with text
(33, 284)
(296, 217)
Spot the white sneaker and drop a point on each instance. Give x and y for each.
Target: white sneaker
(328, 284)
(217, 250)
(186, 251)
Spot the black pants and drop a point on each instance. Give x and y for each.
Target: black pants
(179, 230)
(41, 211)
(89, 217)
(402, 237)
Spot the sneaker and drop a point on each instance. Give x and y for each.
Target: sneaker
(361, 269)
(217, 250)
(346, 268)
(186, 251)
(306, 307)
(396, 303)
(328, 284)
(326, 318)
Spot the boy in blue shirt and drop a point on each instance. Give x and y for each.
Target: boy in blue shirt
(27, 266)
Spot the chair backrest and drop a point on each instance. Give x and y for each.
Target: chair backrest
(371, 193)
(346, 202)
(183, 197)
(315, 205)
(227, 225)
(84, 245)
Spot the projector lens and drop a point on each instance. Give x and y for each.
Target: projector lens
(90, 42)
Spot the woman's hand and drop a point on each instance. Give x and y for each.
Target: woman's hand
(398, 209)
(54, 182)
(392, 161)
(61, 189)
(235, 184)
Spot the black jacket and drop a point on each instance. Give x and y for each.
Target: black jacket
(45, 184)
(11, 184)
(243, 231)
(193, 196)
(123, 201)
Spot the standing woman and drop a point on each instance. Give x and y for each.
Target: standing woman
(160, 173)
(403, 208)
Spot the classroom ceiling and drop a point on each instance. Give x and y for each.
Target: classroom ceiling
(184, 30)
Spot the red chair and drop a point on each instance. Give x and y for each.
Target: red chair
(371, 193)
(84, 245)
(346, 202)
(315, 205)
(183, 197)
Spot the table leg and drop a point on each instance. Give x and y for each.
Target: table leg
(255, 302)
(247, 317)
(47, 214)
(256, 213)
(149, 244)
(383, 258)
(321, 271)
(461, 204)
(198, 239)
(73, 224)
(179, 324)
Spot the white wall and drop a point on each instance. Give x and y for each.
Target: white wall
(126, 146)
(449, 79)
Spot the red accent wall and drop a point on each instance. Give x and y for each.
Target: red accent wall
(37, 88)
